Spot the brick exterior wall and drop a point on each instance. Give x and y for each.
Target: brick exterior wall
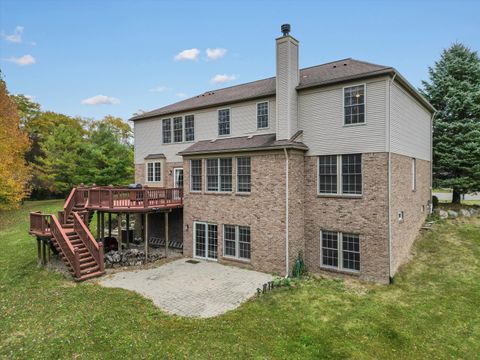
(167, 173)
(366, 216)
(263, 210)
(414, 204)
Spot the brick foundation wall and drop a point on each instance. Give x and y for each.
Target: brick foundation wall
(139, 173)
(366, 216)
(167, 173)
(263, 210)
(414, 204)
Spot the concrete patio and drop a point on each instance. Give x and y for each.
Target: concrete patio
(203, 289)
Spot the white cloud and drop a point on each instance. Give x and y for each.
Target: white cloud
(22, 60)
(222, 78)
(214, 54)
(16, 37)
(190, 54)
(100, 100)
(158, 89)
(181, 95)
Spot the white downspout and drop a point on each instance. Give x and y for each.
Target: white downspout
(390, 182)
(286, 211)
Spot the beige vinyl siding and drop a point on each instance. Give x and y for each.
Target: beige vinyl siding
(243, 122)
(321, 119)
(410, 130)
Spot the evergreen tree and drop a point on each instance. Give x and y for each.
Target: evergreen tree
(454, 90)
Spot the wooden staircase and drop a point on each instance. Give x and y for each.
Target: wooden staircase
(71, 237)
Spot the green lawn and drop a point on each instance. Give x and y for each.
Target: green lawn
(431, 312)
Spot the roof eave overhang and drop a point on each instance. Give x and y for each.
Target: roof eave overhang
(262, 148)
(196, 108)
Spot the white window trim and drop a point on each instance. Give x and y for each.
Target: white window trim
(171, 132)
(340, 253)
(237, 243)
(205, 174)
(365, 104)
(236, 176)
(201, 176)
(230, 121)
(206, 241)
(268, 114)
(173, 129)
(184, 133)
(339, 192)
(146, 171)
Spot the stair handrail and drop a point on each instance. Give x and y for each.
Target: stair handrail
(95, 248)
(66, 247)
(69, 204)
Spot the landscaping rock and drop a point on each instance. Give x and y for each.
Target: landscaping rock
(465, 212)
(443, 214)
(452, 214)
(473, 211)
(130, 257)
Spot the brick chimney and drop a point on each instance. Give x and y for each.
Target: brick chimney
(287, 80)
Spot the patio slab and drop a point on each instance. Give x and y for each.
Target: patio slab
(204, 289)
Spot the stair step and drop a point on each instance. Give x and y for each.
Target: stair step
(88, 265)
(89, 270)
(73, 237)
(69, 226)
(89, 276)
(86, 259)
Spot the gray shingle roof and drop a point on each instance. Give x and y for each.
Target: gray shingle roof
(336, 71)
(242, 143)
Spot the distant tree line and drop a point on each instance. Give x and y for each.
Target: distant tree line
(44, 154)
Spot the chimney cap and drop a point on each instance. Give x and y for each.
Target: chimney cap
(285, 29)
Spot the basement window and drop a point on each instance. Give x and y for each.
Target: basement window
(340, 250)
(237, 242)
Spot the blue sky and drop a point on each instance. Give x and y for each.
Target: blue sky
(64, 53)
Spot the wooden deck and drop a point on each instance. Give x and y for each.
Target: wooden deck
(133, 200)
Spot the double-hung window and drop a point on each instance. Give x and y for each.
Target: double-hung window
(354, 105)
(167, 131)
(219, 174)
(224, 122)
(237, 242)
(177, 129)
(244, 177)
(340, 174)
(189, 128)
(340, 250)
(154, 171)
(196, 175)
(262, 115)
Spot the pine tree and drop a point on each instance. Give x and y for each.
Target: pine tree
(454, 90)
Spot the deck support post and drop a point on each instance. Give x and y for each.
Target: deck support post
(98, 225)
(166, 234)
(146, 237)
(39, 251)
(109, 225)
(120, 234)
(128, 230)
(44, 253)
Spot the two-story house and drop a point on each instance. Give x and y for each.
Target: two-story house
(333, 161)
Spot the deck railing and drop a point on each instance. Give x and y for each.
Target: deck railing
(95, 249)
(70, 253)
(69, 204)
(124, 198)
(39, 223)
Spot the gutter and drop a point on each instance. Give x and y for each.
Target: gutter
(287, 270)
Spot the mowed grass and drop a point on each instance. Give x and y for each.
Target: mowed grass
(432, 311)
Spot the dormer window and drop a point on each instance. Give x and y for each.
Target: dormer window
(224, 122)
(354, 105)
(262, 115)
